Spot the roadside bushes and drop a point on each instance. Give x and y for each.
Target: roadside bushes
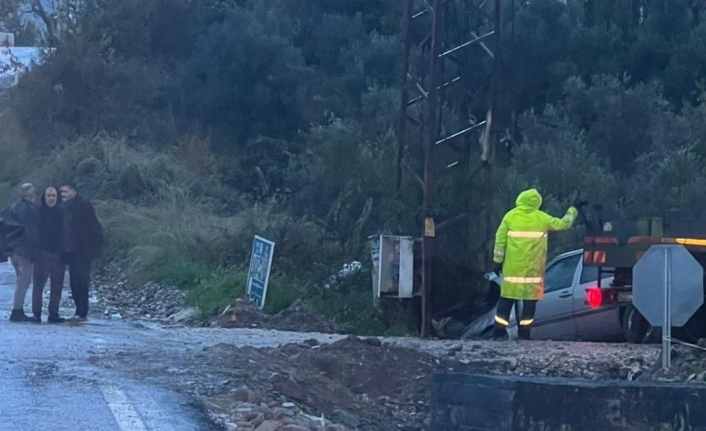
(166, 222)
(15, 161)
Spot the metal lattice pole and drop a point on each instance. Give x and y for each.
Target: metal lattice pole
(440, 60)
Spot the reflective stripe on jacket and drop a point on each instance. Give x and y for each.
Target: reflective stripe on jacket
(521, 245)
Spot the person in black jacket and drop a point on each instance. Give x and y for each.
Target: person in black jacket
(82, 243)
(23, 246)
(10, 229)
(50, 265)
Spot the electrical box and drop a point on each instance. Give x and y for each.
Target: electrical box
(393, 266)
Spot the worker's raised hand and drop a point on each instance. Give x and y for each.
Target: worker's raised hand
(580, 203)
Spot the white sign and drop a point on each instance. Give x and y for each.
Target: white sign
(259, 273)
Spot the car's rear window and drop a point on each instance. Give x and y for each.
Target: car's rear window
(590, 274)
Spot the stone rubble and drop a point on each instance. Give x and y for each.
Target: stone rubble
(366, 384)
(688, 364)
(584, 360)
(248, 416)
(299, 317)
(334, 385)
(350, 384)
(121, 298)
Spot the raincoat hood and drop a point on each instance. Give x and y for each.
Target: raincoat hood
(529, 199)
(50, 226)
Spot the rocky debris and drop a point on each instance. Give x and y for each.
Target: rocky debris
(357, 384)
(242, 314)
(365, 384)
(288, 387)
(120, 298)
(688, 365)
(584, 360)
(261, 416)
(186, 315)
(299, 317)
(247, 396)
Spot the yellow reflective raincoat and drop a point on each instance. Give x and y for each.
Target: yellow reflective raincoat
(521, 246)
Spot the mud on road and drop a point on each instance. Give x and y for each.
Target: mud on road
(250, 373)
(365, 384)
(361, 384)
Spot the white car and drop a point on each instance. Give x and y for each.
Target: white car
(573, 307)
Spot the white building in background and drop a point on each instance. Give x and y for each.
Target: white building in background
(14, 61)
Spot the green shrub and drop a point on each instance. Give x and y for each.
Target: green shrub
(282, 293)
(182, 273)
(163, 222)
(217, 290)
(15, 161)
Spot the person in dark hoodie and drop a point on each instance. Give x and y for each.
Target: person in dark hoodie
(50, 265)
(82, 243)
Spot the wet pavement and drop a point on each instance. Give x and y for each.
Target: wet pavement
(48, 381)
(60, 377)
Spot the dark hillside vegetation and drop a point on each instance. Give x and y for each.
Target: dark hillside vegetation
(195, 125)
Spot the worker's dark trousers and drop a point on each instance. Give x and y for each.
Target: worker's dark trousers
(502, 317)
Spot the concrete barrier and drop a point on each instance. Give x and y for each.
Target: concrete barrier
(470, 402)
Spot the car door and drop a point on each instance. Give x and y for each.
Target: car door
(595, 324)
(553, 318)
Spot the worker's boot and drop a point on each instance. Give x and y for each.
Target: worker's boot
(523, 332)
(500, 333)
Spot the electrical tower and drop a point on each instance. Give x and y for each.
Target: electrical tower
(448, 118)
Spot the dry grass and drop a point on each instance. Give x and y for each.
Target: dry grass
(166, 223)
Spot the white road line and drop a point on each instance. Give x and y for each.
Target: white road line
(154, 417)
(124, 413)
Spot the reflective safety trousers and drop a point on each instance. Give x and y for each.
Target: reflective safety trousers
(521, 246)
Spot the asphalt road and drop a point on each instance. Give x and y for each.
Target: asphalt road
(47, 381)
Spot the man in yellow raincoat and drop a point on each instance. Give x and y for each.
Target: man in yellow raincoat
(521, 252)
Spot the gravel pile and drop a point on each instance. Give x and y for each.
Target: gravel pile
(122, 298)
(299, 317)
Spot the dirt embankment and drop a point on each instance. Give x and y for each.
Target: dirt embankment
(119, 297)
(360, 384)
(356, 384)
(299, 317)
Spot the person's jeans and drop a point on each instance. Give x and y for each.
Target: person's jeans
(49, 267)
(80, 275)
(23, 269)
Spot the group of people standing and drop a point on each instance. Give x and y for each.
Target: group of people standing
(41, 240)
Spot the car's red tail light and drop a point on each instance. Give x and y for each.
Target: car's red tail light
(594, 297)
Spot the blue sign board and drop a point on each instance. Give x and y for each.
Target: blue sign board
(259, 274)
